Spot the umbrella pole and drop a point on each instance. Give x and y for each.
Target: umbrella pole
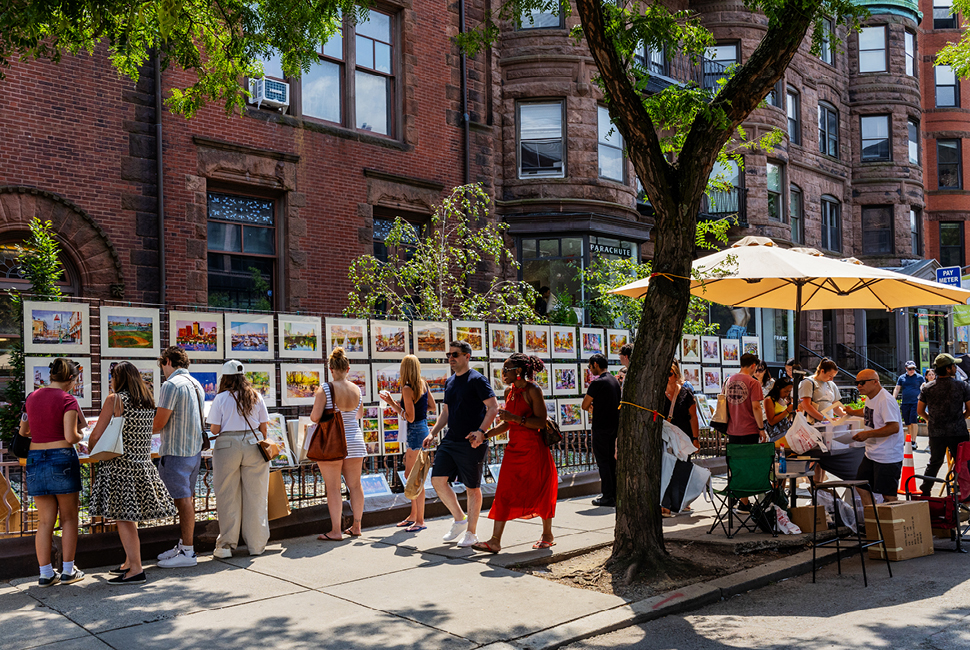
(798, 323)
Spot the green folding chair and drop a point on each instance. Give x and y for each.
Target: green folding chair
(750, 469)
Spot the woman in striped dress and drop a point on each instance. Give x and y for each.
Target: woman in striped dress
(347, 399)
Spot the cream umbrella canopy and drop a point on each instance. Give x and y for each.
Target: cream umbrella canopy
(755, 272)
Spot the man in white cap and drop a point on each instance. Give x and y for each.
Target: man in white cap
(909, 385)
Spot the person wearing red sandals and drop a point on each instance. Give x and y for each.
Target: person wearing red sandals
(528, 483)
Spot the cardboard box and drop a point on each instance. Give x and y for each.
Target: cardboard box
(804, 518)
(905, 527)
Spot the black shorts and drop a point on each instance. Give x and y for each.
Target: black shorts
(883, 478)
(750, 439)
(458, 460)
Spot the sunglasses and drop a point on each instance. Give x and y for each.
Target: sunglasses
(859, 383)
(453, 355)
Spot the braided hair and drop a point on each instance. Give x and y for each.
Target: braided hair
(529, 365)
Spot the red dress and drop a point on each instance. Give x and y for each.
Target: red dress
(527, 482)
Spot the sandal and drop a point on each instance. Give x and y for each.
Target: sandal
(414, 528)
(542, 544)
(485, 547)
(327, 538)
(352, 533)
(405, 524)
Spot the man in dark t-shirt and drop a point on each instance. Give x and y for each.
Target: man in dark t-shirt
(468, 410)
(945, 405)
(602, 400)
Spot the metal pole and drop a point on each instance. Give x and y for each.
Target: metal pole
(798, 322)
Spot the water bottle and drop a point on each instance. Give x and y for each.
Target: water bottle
(782, 461)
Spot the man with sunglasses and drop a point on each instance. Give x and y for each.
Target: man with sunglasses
(883, 435)
(469, 408)
(945, 405)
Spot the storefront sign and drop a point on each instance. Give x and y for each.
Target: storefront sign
(610, 250)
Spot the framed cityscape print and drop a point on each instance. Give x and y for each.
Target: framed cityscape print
(749, 345)
(56, 327)
(710, 350)
(300, 381)
(198, 333)
(731, 352)
(503, 340)
(436, 375)
(348, 333)
(571, 415)
(387, 376)
(535, 341)
(38, 375)
(563, 342)
(147, 368)
(129, 332)
(472, 331)
(712, 380)
(249, 336)
(565, 379)
(207, 374)
(300, 337)
(591, 342)
(389, 339)
(360, 375)
(616, 339)
(690, 348)
(263, 378)
(430, 339)
(691, 374)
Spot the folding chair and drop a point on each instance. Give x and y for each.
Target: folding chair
(750, 470)
(945, 509)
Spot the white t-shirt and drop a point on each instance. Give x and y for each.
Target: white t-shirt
(879, 411)
(822, 393)
(224, 413)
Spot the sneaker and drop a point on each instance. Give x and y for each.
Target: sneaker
(742, 507)
(222, 552)
(603, 502)
(456, 531)
(169, 554)
(182, 559)
(467, 540)
(49, 582)
(77, 576)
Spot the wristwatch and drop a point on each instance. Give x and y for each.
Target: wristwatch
(483, 432)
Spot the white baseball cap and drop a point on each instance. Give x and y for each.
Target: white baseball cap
(232, 367)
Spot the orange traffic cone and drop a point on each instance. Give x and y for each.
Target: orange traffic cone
(908, 470)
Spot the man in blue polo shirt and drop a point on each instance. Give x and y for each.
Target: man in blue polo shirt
(909, 385)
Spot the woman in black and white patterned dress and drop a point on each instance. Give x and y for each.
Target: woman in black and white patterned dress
(128, 489)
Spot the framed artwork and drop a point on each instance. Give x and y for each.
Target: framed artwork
(472, 331)
(542, 379)
(61, 328)
(198, 333)
(149, 371)
(297, 430)
(710, 350)
(370, 425)
(207, 374)
(249, 336)
(276, 430)
(503, 340)
(591, 342)
(300, 381)
(38, 375)
(430, 339)
(565, 379)
(749, 345)
(348, 333)
(731, 352)
(690, 348)
(387, 376)
(389, 339)
(691, 373)
(495, 377)
(552, 409)
(128, 332)
(480, 367)
(392, 431)
(374, 485)
(563, 342)
(359, 373)
(588, 377)
(535, 341)
(436, 375)
(616, 339)
(571, 415)
(300, 337)
(263, 378)
(712, 380)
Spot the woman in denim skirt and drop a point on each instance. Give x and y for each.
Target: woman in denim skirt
(416, 400)
(53, 421)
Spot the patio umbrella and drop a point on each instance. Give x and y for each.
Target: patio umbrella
(755, 272)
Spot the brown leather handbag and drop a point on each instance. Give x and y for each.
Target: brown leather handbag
(328, 441)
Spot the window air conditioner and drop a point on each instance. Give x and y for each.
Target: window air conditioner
(270, 92)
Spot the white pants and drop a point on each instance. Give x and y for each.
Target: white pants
(241, 484)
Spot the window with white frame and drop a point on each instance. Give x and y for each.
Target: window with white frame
(794, 110)
(540, 19)
(875, 138)
(541, 142)
(609, 146)
(943, 16)
(946, 86)
(949, 169)
(872, 49)
(774, 179)
(909, 40)
(916, 231)
(825, 52)
(912, 127)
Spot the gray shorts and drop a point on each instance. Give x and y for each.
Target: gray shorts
(179, 474)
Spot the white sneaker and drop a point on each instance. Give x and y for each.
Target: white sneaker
(182, 559)
(456, 531)
(222, 552)
(467, 540)
(169, 554)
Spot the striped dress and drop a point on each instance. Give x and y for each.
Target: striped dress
(355, 437)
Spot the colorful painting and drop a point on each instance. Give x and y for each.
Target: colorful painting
(731, 352)
(565, 379)
(503, 340)
(495, 378)
(472, 332)
(38, 375)
(691, 374)
(276, 430)
(349, 334)
(542, 380)
(591, 342)
(207, 374)
(389, 339)
(710, 350)
(300, 382)
(430, 339)
(712, 380)
(571, 415)
(149, 371)
(370, 424)
(749, 345)
(387, 377)
(535, 339)
(436, 375)
(360, 375)
(300, 337)
(56, 328)
(263, 378)
(249, 337)
(588, 377)
(690, 348)
(616, 339)
(129, 332)
(391, 430)
(198, 333)
(563, 342)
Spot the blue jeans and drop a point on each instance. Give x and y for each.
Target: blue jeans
(417, 432)
(53, 471)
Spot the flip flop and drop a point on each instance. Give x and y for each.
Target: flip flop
(485, 547)
(405, 524)
(352, 534)
(543, 544)
(415, 528)
(327, 538)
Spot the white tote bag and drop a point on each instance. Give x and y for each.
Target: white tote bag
(110, 444)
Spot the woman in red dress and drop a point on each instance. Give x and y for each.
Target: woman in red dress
(528, 482)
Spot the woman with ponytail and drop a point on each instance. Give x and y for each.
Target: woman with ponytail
(528, 482)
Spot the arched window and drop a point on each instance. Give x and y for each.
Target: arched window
(831, 224)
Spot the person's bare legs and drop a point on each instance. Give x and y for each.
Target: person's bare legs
(67, 505)
(495, 541)
(547, 535)
(186, 508)
(46, 518)
(128, 532)
(417, 508)
(352, 468)
(409, 457)
(448, 497)
(330, 470)
(474, 507)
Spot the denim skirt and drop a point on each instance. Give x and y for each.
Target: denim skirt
(53, 471)
(417, 432)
